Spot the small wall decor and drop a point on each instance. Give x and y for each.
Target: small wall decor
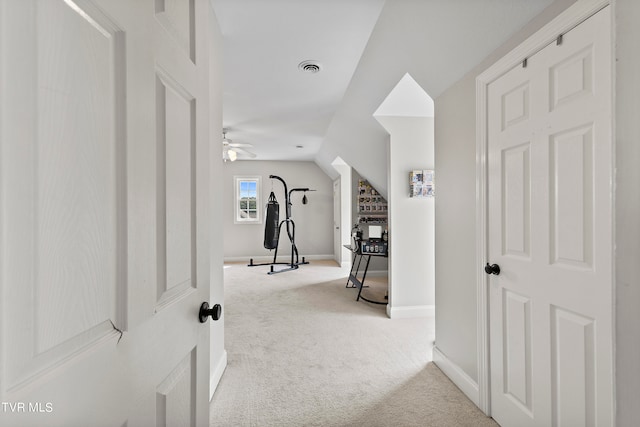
(421, 183)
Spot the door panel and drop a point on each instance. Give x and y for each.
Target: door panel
(104, 210)
(515, 106)
(176, 113)
(516, 336)
(571, 78)
(571, 196)
(573, 368)
(516, 209)
(176, 400)
(68, 236)
(550, 230)
(178, 19)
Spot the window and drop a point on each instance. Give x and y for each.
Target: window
(247, 199)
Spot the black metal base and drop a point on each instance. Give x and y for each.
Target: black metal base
(292, 265)
(359, 283)
(252, 264)
(374, 302)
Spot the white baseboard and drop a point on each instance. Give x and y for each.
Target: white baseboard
(216, 374)
(460, 378)
(411, 311)
(281, 258)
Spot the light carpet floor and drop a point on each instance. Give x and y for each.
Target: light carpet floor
(303, 352)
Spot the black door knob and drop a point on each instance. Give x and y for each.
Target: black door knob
(215, 312)
(492, 269)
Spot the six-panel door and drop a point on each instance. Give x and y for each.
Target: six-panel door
(105, 210)
(550, 230)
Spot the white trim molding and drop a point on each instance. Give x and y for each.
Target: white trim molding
(216, 374)
(564, 22)
(482, 291)
(459, 377)
(411, 311)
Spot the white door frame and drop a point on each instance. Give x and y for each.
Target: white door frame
(344, 170)
(337, 221)
(567, 20)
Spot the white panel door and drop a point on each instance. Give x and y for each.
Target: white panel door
(550, 232)
(104, 177)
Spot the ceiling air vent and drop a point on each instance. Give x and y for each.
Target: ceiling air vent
(310, 67)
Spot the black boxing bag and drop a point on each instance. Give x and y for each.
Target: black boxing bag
(272, 219)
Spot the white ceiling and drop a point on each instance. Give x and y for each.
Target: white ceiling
(270, 104)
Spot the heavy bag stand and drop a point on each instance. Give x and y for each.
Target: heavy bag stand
(291, 232)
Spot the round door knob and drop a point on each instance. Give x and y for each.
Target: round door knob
(215, 312)
(492, 269)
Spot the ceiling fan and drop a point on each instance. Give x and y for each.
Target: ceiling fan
(231, 150)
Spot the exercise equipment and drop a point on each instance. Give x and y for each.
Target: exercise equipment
(273, 226)
(272, 218)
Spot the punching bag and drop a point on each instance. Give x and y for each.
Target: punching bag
(272, 218)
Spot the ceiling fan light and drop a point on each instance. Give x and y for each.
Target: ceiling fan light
(225, 140)
(232, 155)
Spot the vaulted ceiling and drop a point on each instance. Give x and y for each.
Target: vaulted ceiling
(284, 112)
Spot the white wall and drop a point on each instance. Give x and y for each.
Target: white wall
(411, 220)
(402, 35)
(455, 155)
(455, 225)
(313, 221)
(627, 208)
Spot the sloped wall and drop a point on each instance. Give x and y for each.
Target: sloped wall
(399, 44)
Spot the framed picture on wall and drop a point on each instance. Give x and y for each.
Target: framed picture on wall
(421, 183)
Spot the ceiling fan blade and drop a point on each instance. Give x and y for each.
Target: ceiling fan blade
(237, 147)
(242, 151)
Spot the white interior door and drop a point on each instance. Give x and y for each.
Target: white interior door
(337, 219)
(550, 231)
(104, 246)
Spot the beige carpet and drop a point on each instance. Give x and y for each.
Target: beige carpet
(303, 352)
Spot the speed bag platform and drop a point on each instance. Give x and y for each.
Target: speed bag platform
(272, 219)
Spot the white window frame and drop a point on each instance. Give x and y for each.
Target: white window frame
(238, 217)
